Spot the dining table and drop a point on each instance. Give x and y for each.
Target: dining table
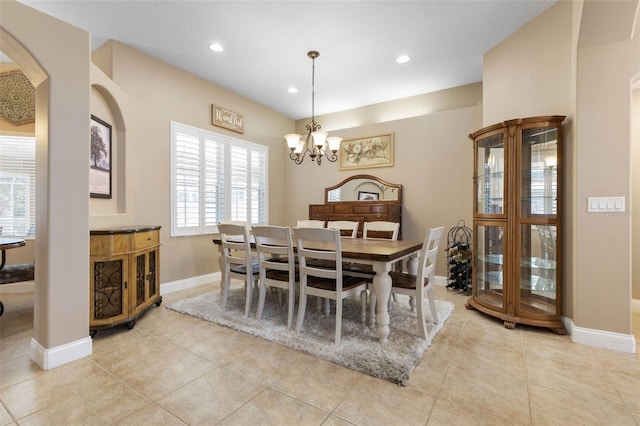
(381, 254)
(7, 243)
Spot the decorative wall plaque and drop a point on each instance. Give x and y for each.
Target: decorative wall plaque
(226, 118)
(17, 98)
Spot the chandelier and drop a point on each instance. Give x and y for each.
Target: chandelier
(316, 141)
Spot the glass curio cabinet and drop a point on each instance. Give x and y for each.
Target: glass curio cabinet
(517, 222)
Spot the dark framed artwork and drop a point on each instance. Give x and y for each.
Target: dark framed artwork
(100, 160)
(368, 196)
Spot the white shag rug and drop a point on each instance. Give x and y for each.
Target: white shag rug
(359, 350)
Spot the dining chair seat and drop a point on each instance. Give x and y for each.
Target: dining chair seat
(242, 269)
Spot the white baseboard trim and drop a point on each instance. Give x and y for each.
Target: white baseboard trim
(600, 338)
(173, 286)
(635, 305)
(19, 287)
(63, 354)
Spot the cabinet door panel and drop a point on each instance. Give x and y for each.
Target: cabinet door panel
(110, 290)
(538, 270)
(491, 154)
(489, 265)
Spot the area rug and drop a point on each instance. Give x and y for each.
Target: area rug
(359, 350)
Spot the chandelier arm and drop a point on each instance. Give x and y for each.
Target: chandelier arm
(332, 157)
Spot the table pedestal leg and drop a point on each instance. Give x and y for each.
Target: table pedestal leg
(382, 288)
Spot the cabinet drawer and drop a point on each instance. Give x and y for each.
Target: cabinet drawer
(343, 209)
(109, 244)
(380, 209)
(316, 209)
(145, 239)
(361, 209)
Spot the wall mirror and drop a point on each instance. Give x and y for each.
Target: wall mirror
(364, 188)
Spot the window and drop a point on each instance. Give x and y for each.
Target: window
(17, 186)
(215, 178)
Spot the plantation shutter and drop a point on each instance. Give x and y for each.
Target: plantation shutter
(216, 178)
(17, 186)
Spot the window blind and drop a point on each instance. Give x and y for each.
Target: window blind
(17, 186)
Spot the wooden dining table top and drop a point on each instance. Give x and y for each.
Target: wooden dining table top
(373, 249)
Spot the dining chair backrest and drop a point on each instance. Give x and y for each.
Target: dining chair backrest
(310, 224)
(346, 228)
(429, 254)
(274, 245)
(323, 245)
(236, 246)
(237, 222)
(381, 229)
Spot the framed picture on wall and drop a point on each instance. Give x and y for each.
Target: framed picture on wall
(368, 196)
(367, 152)
(100, 159)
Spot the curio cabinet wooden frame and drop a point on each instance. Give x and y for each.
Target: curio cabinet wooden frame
(517, 250)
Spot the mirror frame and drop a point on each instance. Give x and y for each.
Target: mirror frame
(379, 181)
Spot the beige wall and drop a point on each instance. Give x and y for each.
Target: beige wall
(35, 42)
(530, 74)
(156, 94)
(567, 62)
(606, 70)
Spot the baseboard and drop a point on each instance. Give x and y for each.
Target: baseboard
(635, 305)
(19, 287)
(183, 284)
(600, 338)
(60, 355)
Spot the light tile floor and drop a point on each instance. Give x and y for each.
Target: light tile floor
(172, 369)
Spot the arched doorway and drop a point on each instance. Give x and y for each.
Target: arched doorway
(60, 333)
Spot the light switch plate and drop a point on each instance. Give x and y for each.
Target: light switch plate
(605, 204)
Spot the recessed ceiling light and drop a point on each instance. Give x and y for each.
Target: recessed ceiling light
(403, 59)
(216, 47)
(292, 90)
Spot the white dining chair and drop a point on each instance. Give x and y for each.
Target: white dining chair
(327, 283)
(304, 223)
(416, 286)
(277, 265)
(347, 228)
(238, 261)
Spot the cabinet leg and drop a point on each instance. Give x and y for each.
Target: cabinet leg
(131, 324)
(510, 325)
(159, 301)
(92, 333)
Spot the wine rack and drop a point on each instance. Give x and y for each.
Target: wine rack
(459, 242)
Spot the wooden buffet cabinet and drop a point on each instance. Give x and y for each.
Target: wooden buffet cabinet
(125, 275)
(361, 198)
(517, 218)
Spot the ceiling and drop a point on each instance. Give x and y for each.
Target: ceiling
(266, 43)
